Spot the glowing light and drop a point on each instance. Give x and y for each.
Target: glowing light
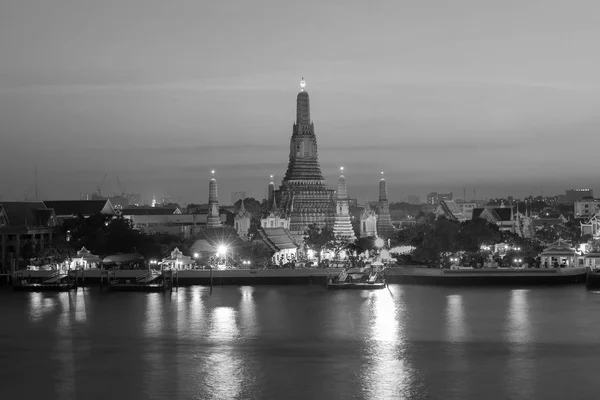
(342, 169)
(196, 255)
(222, 249)
(379, 242)
(302, 84)
(212, 172)
(271, 177)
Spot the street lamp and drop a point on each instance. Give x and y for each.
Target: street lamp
(379, 242)
(222, 251)
(196, 255)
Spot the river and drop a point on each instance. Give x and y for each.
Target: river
(301, 342)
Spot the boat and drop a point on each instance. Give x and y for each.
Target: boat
(152, 281)
(358, 279)
(57, 282)
(487, 276)
(593, 279)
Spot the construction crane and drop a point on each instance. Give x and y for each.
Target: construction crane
(120, 187)
(100, 185)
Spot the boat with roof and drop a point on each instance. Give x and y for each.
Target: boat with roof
(358, 278)
(58, 281)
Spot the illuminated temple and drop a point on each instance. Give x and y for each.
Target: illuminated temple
(303, 194)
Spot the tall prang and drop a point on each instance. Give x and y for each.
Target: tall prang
(213, 220)
(303, 194)
(342, 226)
(385, 228)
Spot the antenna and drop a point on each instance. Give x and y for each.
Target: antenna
(36, 183)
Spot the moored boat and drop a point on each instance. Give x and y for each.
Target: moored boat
(57, 282)
(593, 279)
(358, 279)
(152, 281)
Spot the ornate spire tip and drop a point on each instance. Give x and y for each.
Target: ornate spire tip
(302, 84)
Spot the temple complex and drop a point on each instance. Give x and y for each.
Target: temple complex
(385, 228)
(275, 218)
(342, 226)
(303, 194)
(213, 220)
(368, 222)
(242, 222)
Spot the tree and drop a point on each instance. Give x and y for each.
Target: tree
(337, 245)
(318, 239)
(438, 241)
(477, 232)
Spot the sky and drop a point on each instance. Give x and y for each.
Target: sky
(497, 96)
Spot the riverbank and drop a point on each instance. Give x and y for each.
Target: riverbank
(401, 275)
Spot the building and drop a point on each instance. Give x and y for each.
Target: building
(502, 216)
(170, 221)
(22, 224)
(435, 197)
(572, 195)
(368, 222)
(242, 221)
(275, 218)
(237, 195)
(467, 209)
(213, 220)
(303, 194)
(560, 254)
(342, 226)
(280, 242)
(586, 208)
(385, 228)
(450, 210)
(591, 227)
(67, 209)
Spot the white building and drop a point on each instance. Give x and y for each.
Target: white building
(586, 208)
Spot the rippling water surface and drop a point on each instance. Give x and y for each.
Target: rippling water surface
(410, 342)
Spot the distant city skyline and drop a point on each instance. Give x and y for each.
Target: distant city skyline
(440, 96)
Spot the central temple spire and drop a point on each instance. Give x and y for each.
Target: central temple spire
(303, 111)
(303, 193)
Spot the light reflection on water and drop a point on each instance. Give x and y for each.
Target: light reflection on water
(259, 342)
(223, 369)
(520, 369)
(386, 374)
(455, 320)
(39, 305)
(457, 335)
(248, 319)
(65, 366)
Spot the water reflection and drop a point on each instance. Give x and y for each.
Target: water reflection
(196, 310)
(223, 325)
(457, 336)
(64, 355)
(455, 318)
(248, 320)
(223, 368)
(521, 365)
(39, 306)
(386, 374)
(154, 314)
(519, 326)
(154, 344)
(80, 308)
